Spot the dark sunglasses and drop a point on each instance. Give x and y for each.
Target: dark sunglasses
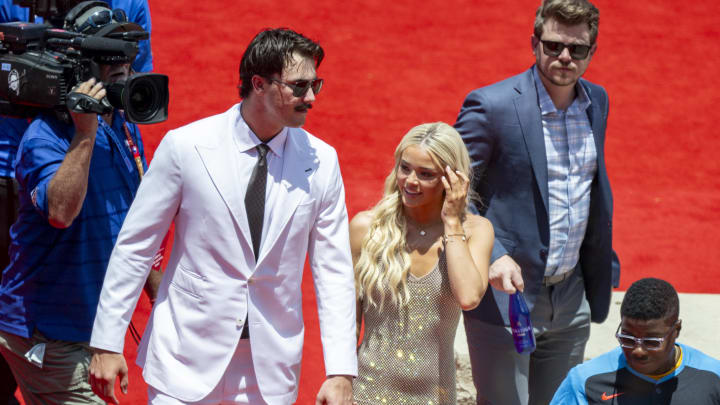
(301, 87)
(103, 17)
(577, 51)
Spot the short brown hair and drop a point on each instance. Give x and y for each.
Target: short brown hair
(568, 12)
(270, 51)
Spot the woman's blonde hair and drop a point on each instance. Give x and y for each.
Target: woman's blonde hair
(384, 259)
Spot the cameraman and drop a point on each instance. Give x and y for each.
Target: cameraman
(76, 182)
(11, 131)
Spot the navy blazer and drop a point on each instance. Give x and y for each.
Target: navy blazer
(501, 125)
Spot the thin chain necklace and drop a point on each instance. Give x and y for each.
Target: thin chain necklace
(422, 230)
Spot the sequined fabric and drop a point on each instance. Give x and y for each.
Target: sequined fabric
(407, 354)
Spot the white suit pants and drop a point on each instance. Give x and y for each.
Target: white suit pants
(237, 386)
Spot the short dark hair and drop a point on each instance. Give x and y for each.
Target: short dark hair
(649, 299)
(568, 12)
(270, 52)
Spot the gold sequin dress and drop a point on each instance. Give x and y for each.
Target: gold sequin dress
(407, 354)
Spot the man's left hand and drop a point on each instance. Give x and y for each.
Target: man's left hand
(105, 368)
(336, 390)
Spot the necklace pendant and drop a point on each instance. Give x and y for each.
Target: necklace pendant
(422, 233)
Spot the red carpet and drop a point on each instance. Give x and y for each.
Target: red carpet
(393, 65)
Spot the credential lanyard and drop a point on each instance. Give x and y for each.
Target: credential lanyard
(134, 150)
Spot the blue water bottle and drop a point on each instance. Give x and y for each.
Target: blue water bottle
(520, 324)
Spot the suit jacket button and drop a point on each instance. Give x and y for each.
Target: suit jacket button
(543, 254)
(251, 280)
(240, 322)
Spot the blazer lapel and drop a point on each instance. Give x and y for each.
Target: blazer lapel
(221, 163)
(298, 166)
(530, 119)
(595, 117)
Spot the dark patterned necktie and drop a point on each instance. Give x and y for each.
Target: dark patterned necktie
(255, 198)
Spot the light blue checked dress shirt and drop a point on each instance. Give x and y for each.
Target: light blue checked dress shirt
(571, 163)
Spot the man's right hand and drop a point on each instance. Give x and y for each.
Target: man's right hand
(105, 367)
(86, 123)
(505, 275)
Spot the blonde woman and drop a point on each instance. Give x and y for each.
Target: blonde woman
(420, 257)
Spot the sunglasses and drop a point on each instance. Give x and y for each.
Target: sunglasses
(649, 343)
(301, 87)
(103, 17)
(577, 51)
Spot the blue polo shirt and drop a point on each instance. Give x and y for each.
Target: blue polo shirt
(11, 130)
(55, 275)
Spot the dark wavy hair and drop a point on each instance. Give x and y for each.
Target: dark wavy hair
(269, 53)
(649, 299)
(568, 12)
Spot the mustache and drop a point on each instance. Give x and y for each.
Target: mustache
(303, 107)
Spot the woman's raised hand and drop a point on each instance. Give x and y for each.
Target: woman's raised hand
(456, 185)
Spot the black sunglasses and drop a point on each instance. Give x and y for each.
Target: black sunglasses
(301, 87)
(577, 51)
(103, 17)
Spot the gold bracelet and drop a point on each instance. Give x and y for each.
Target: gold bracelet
(446, 238)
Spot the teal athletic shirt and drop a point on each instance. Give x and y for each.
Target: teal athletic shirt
(608, 380)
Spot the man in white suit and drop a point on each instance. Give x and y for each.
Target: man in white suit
(251, 194)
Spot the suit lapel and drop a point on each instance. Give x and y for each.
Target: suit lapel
(597, 121)
(530, 119)
(221, 162)
(595, 117)
(298, 166)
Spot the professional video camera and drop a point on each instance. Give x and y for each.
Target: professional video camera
(40, 64)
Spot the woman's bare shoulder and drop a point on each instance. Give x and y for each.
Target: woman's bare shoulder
(360, 225)
(476, 224)
(361, 220)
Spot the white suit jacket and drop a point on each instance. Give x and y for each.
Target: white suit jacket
(212, 280)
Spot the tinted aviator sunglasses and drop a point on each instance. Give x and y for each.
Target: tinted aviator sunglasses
(301, 87)
(577, 51)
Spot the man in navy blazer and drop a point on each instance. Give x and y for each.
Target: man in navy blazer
(537, 145)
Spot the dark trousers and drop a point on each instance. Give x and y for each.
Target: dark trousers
(8, 215)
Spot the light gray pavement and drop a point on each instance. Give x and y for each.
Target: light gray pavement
(700, 314)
